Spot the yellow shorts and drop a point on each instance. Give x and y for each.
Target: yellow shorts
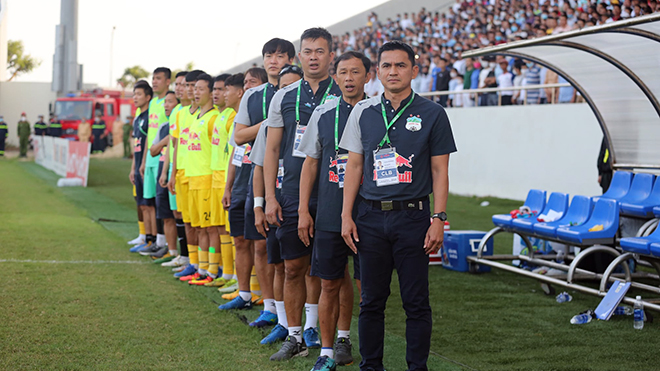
(199, 201)
(181, 188)
(219, 217)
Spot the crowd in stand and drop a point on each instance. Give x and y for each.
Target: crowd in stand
(440, 38)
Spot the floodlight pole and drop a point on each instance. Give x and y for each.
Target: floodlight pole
(112, 43)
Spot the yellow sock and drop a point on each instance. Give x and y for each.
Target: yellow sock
(254, 283)
(192, 254)
(203, 259)
(227, 254)
(141, 227)
(214, 260)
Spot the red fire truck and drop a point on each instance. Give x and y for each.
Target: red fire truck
(74, 108)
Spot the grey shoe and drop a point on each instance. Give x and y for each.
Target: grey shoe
(290, 348)
(343, 352)
(155, 251)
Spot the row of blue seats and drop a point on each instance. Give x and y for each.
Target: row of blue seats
(637, 195)
(574, 224)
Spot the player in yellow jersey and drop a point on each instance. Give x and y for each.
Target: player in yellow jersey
(149, 168)
(219, 236)
(182, 259)
(163, 210)
(181, 187)
(200, 175)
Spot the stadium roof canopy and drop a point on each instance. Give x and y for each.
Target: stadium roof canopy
(616, 68)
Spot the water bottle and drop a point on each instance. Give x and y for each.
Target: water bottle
(638, 314)
(564, 297)
(584, 317)
(623, 311)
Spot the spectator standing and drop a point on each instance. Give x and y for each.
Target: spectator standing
(441, 78)
(55, 128)
(551, 93)
(23, 134)
(533, 77)
(4, 133)
(505, 80)
(98, 131)
(566, 94)
(128, 129)
(40, 126)
(518, 81)
(84, 131)
(373, 87)
(423, 81)
(459, 98)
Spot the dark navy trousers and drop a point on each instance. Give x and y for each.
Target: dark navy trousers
(394, 240)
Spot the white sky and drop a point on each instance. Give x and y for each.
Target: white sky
(214, 34)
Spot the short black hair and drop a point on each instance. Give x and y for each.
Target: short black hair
(173, 93)
(353, 54)
(317, 33)
(259, 73)
(222, 77)
(206, 77)
(192, 75)
(181, 73)
(290, 68)
(279, 45)
(235, 80)
(397, 45)
(165, 70)
(146, 88)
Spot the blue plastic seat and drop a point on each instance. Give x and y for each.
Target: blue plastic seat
(640, 189)
(655, 249)
(606, 213)
(619, 186)
(643, 208)
(656, 211)
(578, 213)
(557, 202)
(640, 245)
(535, 201)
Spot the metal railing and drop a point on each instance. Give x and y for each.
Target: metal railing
(474, 93)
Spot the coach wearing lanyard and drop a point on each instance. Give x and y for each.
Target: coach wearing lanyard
(410, 139)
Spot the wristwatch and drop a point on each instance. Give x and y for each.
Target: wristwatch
(441, 215)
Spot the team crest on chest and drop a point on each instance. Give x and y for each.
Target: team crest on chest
(201, 123)
(414, 123)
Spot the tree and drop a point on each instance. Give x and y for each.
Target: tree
(19, 63)
(132, 75)
(189, 67)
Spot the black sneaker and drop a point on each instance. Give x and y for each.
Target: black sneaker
(343, 352)
(291, 348)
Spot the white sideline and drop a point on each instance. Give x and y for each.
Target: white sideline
(73, 261)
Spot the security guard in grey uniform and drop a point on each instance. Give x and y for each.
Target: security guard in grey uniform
(410, 139)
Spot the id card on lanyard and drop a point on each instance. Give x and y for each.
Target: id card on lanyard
(239, 152)
(342, 160)
(300, 129)
(385, 168)
(280, 174)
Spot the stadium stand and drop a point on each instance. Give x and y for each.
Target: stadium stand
(469, 25)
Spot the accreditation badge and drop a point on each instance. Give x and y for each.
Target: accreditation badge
(300, 131)
(342, 160)
(239, 152)
(385, 169)
(280, 174)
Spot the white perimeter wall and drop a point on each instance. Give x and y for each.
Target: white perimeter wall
(29, 97)
(505, 151)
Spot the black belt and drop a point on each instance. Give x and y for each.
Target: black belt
(417, 204)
